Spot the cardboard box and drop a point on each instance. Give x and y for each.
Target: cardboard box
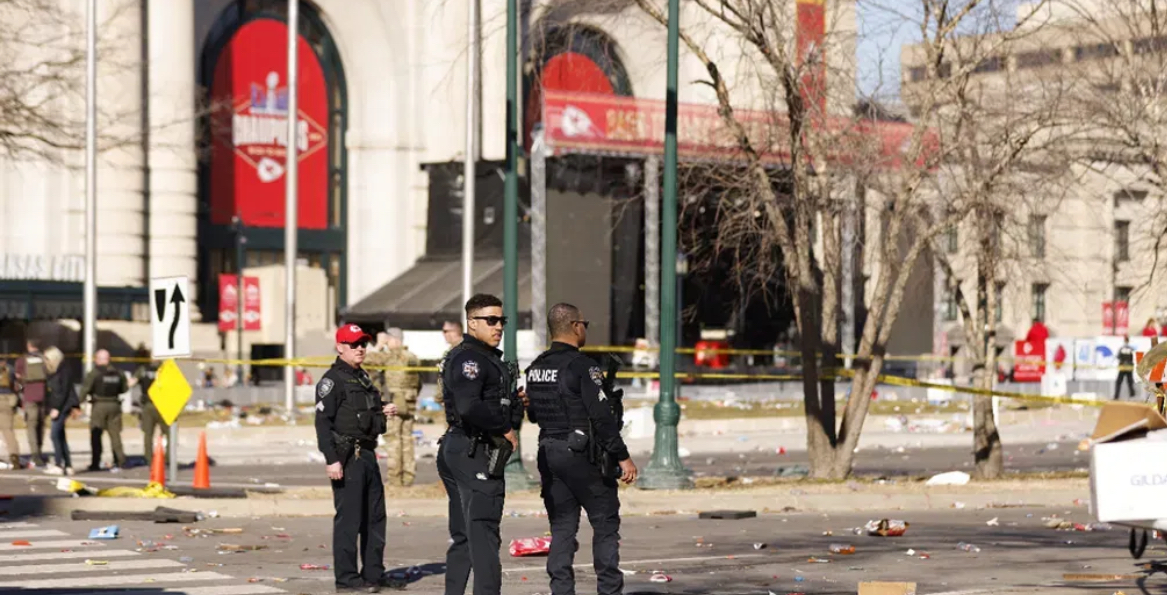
(874, 588)
(1128, 470)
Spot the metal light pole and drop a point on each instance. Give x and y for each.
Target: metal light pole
(291, 222)
(240, 258)
(90, 290)
(665, 471)
(469, 161)
(516, 475)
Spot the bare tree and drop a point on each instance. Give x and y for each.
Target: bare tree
(42, 79)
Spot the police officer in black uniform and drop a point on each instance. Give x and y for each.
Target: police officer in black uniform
(349, 417)
(1126, 367)
(478, 402)
(566, 400)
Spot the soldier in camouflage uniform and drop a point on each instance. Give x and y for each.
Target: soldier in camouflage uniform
(399, 388)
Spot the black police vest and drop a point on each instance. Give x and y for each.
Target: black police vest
(556, 407)
(108, 384)
(358, 411)
(149, 375)
(493, 391)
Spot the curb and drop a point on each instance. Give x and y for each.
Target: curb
(633, 502)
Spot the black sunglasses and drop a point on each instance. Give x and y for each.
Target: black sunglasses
(356, 344)
(585, 323)
(492, 320)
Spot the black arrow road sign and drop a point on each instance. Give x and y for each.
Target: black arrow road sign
(177, 299)
(160, 303)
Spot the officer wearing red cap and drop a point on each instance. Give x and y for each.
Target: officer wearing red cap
(350, 415)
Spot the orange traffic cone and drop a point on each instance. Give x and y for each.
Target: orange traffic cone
(202, 470)
(158, 463)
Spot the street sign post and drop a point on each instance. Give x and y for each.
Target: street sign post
(170, 317)
(170, 392)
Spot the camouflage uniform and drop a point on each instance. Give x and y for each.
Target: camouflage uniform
(400, 388)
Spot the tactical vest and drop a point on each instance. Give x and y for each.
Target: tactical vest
(557, 407)
(496, 392)
(399, 379)
(358, 413)
(34, 368)
(108, 385)
(149, 375)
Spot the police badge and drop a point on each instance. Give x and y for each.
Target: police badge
(470, 370)
(324, 388)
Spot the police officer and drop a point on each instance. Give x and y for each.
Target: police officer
(1126, 367)
(349, 417)
(102, 387)
(144, 377)
(565, 399)
(9, 403)
(477, 398)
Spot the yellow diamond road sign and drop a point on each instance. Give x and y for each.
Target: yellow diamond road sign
(170, 391)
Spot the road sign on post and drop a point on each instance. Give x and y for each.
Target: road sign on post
(170, 391)
(170, 317)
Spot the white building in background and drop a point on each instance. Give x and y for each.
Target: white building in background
(201, 86)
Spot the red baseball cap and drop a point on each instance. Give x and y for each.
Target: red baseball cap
(351, 333)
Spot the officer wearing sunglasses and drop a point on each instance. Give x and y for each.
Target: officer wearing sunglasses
(350, 415)
(578, 432)
(476, 395)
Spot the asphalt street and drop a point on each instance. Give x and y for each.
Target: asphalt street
(1017, 554)
(875, 462)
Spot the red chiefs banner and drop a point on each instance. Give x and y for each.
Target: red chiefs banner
(249, 130)
(229, 303)
(616, 125)
(811, 23)
(1028, 361)
(1116, 318)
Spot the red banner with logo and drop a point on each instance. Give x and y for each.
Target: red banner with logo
(1116, 318)
(249, 128)
(229, 303)
(616, 125)
(811, 23)
(1028, 361)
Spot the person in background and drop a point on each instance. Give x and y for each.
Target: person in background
(1038, 333)
(401, 389)
(144, 377)
(1151, 329)
(103, 387)
(230, 380)
(9, 403)
(31, 376)
(63, 403)
(452, 333)
(303, 378)
(1126, 367)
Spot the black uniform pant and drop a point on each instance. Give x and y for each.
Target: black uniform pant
(570, 482)
(1130, 383)
(359, 498)
(476, 502)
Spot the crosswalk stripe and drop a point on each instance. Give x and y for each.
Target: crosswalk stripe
(110, 581)
(66, 555)
(59, 543)
(83, 567)
(16, 525)
(248, 589)
(25, 534)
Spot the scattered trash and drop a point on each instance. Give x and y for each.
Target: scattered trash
(759, 546)
(968, 547)
(227, 547)
(186, 559)
(842, 549)
(231, 531)
(951, 478)
(21, 542)
(660, 577)
(958, 505)
(152, 490)
(96, 563)
(530, 546)
(1101, 578)
(993, 522)
(110, 532)
(814, 560)
(728, 514)
(314, 567)
(627, 572)
(886, 528)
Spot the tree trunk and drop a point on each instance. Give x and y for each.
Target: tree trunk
(831, 273)
(987, 451)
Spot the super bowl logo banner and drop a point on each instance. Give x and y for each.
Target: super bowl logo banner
(249, 130)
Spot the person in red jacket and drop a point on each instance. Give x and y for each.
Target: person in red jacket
(1151, 329)
(1038, 333)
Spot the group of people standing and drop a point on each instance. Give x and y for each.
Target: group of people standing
(41, 389)
(581, 453)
